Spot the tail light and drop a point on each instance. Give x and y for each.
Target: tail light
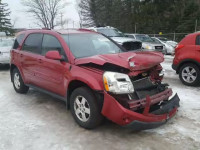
(179, 46)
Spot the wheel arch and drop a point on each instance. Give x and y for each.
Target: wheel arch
(185, 62)
(74, 84)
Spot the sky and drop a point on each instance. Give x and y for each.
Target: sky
(24, 20)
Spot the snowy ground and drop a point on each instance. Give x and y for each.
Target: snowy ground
(38, 121)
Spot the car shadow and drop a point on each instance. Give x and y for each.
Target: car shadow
(60, 107)
(4, 67)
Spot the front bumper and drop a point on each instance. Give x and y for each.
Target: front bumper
(115, 112)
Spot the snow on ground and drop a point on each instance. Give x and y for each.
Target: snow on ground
(187, 121)
(38, 121)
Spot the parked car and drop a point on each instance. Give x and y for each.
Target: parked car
(187, 60)
(172, 43)
(94, 76)
(128, 43)
(166, 40)
(5, 47)
(168, 47)
(148, 43)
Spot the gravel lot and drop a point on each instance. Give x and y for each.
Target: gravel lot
(37, 122)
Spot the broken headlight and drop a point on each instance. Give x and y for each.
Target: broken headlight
(117, 83)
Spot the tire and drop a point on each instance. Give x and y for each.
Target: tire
(189, 74)
(18, 82)
(88, 114)
(7, 66)
(165, 52)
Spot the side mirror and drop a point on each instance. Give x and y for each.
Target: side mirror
(54, 55)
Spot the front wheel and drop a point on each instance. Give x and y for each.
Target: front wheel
(190, 74)
(85, 109)
(18, 82)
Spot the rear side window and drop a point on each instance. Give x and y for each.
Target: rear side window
(51, 43)
(131, 36)
(198, 40)
(18, 41)
(33, 43)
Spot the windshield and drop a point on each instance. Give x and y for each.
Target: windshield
(156, 40)
(111, 32)
(6, 43)
(144, 38)
(90, 44)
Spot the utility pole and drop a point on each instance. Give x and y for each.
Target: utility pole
(196, 25)
(80, 24)
(135, 27)
(174, 36)
(67, 23)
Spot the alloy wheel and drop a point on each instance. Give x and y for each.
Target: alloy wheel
(82, 108)
(189, 74)
(16, 81)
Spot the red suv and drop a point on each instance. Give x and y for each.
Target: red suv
(95, 77)
(187, 60)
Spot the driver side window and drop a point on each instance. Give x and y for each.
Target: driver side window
(51, 43)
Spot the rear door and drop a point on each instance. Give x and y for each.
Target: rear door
(52, 72)
(30, 56)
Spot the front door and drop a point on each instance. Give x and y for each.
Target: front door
(53, 72)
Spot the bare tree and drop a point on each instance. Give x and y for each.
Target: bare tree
(45, 11)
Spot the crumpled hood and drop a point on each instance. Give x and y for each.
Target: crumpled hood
(129, 60)
(121, 40)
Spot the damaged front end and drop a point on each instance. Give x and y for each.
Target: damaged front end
(144, 105)
(134, 94)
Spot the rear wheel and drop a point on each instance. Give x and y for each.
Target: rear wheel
(190, 74)
(165, 52)
(18, 82)
(85, 109)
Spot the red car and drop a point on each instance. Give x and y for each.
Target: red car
(187, 60)
(95, 77)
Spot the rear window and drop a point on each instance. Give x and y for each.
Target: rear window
(33, 43)
(198, 40)
(18, 41)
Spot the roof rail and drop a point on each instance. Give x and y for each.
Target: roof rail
(46, 29)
